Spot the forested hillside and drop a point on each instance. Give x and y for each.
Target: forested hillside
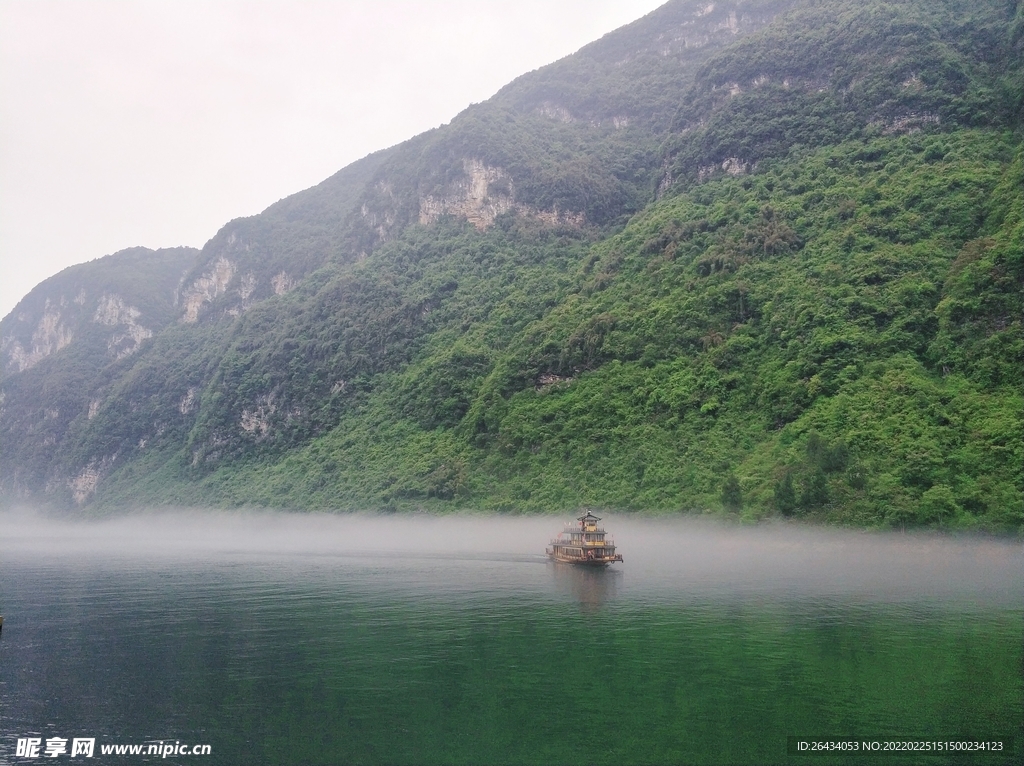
(755, 258)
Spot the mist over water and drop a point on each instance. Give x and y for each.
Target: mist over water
(681, 556)
(285, 638)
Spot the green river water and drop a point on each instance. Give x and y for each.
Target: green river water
(335, 640)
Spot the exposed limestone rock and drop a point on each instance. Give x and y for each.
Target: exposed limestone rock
(665, 183)
(188, 401)
(618, 121)
(701, 32)
(909, 123)
(206, 288)
(49, 337)
(379, 213)
(546, 379)
(733, 166)
(469, 197)
(257, 420)
(83, 485)
(94, 408)
(113, 311)
(380, 222)
(484, 194)
(554, 217)
(282, 283)
(555, 111)
(247, 286)
(127, 343)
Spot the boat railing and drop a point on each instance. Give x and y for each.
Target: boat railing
(606, 543)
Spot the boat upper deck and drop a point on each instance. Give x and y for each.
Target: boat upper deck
(585, 532)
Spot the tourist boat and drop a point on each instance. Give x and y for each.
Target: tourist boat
(584, 544)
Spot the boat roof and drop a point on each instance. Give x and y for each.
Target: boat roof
(588, 515)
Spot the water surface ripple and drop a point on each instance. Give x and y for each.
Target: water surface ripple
(361, 639)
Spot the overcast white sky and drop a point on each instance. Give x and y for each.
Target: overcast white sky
(155, 122)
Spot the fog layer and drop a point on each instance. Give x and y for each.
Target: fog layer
(676, 555)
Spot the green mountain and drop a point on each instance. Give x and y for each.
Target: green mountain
(750, 257)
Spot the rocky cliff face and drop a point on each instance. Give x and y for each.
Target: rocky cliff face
(49, 334)
(482, 195)
(99, 301)
(208, 286)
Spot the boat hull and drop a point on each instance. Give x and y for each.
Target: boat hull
(563, 558)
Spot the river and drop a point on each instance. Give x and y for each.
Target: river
(308, 639)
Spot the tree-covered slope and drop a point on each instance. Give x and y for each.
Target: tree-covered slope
(761, 259)
(833, 71)
(813, 331)
(64, 338)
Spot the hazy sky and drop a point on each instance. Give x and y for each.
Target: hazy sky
(154, 123)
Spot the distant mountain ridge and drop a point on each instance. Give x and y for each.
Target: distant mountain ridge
(747, 210)
(132, 291)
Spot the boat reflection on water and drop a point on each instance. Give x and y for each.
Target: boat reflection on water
(590, 586)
